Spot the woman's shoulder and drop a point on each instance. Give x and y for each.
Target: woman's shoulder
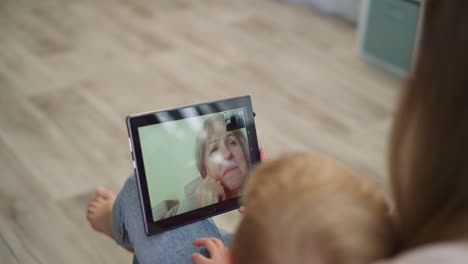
(446, 252)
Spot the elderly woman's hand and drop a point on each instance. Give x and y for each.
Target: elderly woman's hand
(210, 191)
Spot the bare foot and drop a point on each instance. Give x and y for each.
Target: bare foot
(100, 210)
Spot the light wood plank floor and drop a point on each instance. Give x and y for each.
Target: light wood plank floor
(70, 71)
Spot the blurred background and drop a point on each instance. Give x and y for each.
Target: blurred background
(324, 76)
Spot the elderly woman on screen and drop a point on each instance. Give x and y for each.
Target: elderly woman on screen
(222, 161)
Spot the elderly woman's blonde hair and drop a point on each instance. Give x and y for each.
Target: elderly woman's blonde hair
(201, 142)
(306, 208)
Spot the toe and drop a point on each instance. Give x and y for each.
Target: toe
(90, 216)
(104, 193)
(101, 191)
(93, 205)
(92, 200)
(90, 211)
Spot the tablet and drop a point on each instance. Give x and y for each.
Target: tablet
(191, 162)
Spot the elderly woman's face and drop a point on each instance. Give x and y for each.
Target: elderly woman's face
(224, 157)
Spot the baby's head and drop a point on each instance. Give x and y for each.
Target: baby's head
(305, 208)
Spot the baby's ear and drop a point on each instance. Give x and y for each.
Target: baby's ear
(375, 195)
(229, 259)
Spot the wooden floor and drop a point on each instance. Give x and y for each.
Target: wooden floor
(70, 71)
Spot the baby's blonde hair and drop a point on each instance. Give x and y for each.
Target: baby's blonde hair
(306, 208)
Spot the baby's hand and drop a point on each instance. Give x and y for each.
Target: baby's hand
(210, 191)
(219, 254)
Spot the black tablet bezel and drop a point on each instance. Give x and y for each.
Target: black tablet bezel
(152, 118)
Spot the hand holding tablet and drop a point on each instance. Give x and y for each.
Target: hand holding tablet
(192, 162)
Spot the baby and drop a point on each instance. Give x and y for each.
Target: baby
(305, 208)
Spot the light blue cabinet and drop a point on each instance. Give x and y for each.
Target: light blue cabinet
(389, 32)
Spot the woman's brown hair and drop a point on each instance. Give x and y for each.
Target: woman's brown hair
(429, 143)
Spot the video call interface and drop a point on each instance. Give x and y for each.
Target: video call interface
(194, 162)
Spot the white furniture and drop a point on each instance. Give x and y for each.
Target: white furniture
(348, 9)
(389, 33)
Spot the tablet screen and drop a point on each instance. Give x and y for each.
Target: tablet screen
(194, 162)
(191, 162)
